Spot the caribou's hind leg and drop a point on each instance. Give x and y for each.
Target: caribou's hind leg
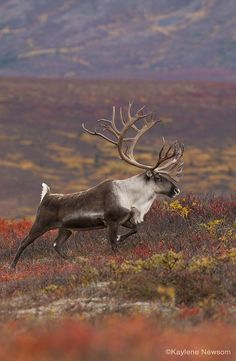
(35, 232)
(63, 236)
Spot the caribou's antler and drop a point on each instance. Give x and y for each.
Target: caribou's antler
(168, 161)
(125, 144)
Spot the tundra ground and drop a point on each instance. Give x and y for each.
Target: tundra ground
(172, 286)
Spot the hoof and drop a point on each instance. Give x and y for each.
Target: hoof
(119, 239)
(114, 249)
(12, 267)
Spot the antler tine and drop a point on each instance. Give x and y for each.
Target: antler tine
(176, 166)
(143, 130)
(98, 134)
(167, 156)
(128, 154)
(173, 158)
(174, 171)
(129, 109)
(162, 148)
(138, 116)
(126, 145)
(113, 122)
(130, 118)
(109, 128)
(121, 117)
(140, 111)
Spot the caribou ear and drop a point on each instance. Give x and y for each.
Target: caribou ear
(149, 173)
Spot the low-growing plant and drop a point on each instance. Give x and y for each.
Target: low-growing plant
(176, 260)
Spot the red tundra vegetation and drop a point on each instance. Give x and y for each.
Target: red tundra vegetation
(115, 338)
(170, 288)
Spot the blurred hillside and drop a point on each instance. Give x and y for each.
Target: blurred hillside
(41, 135)
(181, 39)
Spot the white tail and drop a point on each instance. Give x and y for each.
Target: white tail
(45, 190)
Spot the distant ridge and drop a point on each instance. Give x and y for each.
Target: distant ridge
(152, 39)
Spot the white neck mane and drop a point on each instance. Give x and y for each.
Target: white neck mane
(135, 192)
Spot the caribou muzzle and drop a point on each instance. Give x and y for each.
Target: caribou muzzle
(174, 191)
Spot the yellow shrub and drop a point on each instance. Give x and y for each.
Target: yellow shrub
(52, 288)
(177, 207)
(213, 226)
(231, 253)
(202, 263)
(167, 294)
(169, 260)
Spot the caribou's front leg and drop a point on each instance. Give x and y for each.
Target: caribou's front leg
(114, 218)
(62, 237)
(133, 230)
(131, 224)
(112, 234)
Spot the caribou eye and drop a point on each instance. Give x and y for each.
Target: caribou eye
(158, 179)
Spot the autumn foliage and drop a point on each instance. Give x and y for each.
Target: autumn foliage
(172, 286)
(115, 338)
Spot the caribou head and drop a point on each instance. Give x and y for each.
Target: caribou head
(168, 168)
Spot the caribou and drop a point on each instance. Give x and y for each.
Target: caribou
(113, 203)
